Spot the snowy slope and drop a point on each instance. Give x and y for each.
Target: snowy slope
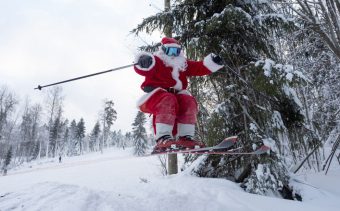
(116, 180)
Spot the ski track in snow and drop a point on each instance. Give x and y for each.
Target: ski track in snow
(118, 181)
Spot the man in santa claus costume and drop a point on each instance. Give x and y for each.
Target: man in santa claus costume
(173, 108)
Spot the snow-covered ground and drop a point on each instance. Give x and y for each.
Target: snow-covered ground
(116, 180)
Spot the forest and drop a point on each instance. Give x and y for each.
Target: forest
(280, 86)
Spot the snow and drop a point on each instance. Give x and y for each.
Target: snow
(290, 92)
(267, 66)
(277, 121)
(116, 180)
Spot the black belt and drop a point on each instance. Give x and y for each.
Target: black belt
(172, 90)
(148, 89)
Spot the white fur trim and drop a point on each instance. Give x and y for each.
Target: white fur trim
(163, 129)
(210, 64)
(147, 96)
(171, 61)
(175, 76)
(184, 92)
(186, 129)
(172, 45)
(145, 53)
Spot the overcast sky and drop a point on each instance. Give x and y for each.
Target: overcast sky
(45, 41)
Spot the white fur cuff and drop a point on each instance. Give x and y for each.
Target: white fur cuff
(146, 97)
(186, 129)
(210, 64)
(141, 54)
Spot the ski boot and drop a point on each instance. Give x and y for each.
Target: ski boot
(188, 142)
(164, 144)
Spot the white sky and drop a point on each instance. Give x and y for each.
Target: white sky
(46, 41)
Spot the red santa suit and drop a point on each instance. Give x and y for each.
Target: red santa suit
(169, 101)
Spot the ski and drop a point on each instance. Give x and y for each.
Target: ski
(262, 150)
(222, 146)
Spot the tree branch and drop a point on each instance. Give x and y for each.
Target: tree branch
(335, 18)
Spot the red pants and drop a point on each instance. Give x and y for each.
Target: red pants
(170, 109)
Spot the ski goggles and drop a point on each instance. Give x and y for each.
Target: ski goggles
(171, 51)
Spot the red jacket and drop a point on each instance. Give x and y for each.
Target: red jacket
(160, 75)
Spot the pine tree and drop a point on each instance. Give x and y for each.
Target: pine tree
(54, 104)
(80, 134)
(56, 131)
(94, 144)
(121, 141)
(139, 134)
(73, 145)
(8, 159)
(108, 116)
(128, 140)
(252, 97)
(66, 139)
(9, 155)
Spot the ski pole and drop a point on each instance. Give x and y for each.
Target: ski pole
(85, 76)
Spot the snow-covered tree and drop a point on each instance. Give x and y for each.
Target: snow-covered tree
(65, 139)
(8, 101)
(108, 117)
(29, 131)
(8, 159)
(139, 134)
(313, 50)
(80, 134)
(73, 146)
(55, 134)
(252, 97)
(54, 106)
(128, 140)
(118, 139)
(322, 17)
(94, 136)
(30, 136)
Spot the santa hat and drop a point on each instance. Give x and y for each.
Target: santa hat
(170, 42)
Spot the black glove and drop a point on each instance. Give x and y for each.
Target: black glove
(217, 59)
(145, 61)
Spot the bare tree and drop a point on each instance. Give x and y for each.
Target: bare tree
(54, 104)
(323, 17)
(28, 129)
(7, 105)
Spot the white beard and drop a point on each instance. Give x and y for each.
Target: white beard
(178, 63)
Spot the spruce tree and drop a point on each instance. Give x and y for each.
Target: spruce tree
(108, 116)
(128, 139)
(80, 134)
(66, 139)
(55, 134)
(139, 134)
(252, 97)
(8, 159)
(73, 146)
(94, 145)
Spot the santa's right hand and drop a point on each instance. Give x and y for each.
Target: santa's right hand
(145, 61)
